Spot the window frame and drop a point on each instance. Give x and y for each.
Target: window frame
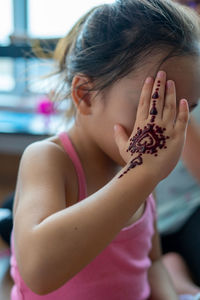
(21, 49)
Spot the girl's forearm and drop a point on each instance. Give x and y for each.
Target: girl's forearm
(67, 241)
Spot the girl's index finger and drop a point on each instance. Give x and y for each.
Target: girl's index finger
(143, 107)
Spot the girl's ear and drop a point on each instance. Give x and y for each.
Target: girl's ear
(80, 94)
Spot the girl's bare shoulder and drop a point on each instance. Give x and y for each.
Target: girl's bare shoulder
(45, 154)
(46, 167)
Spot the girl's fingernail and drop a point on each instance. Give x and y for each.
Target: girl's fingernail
(183, 102)
(115, 127)
(148, 80)
(161, 74)
(169, 83)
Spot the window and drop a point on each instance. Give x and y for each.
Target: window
(38, 73)
(20, 74)
(54, 18)
(7, 82)
(35, 19)
(6, 18)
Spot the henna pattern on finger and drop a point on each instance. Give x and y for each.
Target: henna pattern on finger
(153, 119)
(147, 140)
(153, 110)
(155, 95)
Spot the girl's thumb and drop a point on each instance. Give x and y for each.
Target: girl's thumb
(121, 137)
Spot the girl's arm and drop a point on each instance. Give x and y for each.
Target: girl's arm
(191, 151)
(159, 279)
(53, 243)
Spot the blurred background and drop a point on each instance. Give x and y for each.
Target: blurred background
(29, 32)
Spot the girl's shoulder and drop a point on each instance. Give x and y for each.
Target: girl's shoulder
(45, 155)
(47, 152)
(43, 164)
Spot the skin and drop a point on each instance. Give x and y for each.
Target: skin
(99, 143)
(180, 274)
(124, 96)
(40, 211)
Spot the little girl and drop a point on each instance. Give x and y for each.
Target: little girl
(84, 216)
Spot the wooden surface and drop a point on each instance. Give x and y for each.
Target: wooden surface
(8, 174)
(6, 282)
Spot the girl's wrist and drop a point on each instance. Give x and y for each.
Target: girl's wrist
(148, 176)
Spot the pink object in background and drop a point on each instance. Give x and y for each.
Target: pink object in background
(45, 106)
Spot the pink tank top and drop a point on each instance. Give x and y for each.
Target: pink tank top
(119, 272)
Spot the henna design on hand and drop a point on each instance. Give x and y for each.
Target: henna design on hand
(155, 95)
(134, 162)
(147, 140)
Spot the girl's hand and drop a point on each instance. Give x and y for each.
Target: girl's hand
(159, 132)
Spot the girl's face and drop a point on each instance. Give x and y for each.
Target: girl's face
(118, 105)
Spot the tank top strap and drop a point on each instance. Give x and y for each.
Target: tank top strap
(69, 148)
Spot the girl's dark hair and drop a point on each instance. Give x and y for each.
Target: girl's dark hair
(112, 40)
